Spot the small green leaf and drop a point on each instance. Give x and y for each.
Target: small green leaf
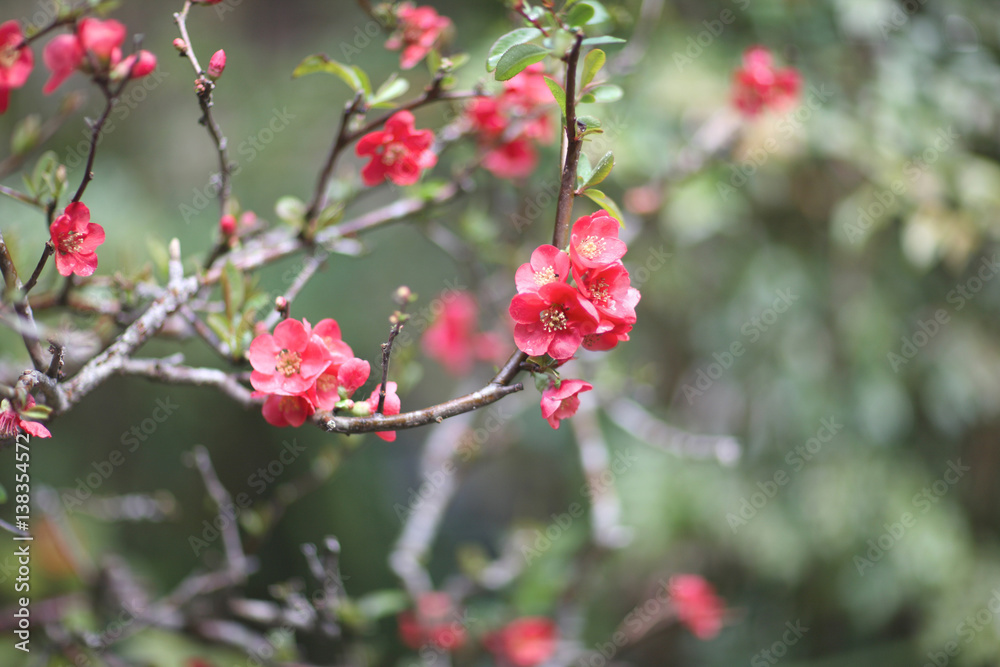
(330, 215)
(589, 122)
(322, 63)
(580, 15)
(592, 64)
(583, 169)
(433, 61)
(606, 39)
(37, 412)
(601, 171)
(291, 210)
(390, 90)
(3, 494)
(606, 203)
(219, 325)
(606, 93)
(558, 93)
(26, 134)
(517, 58)
(366, 84)
(500, 47)
(598, 13)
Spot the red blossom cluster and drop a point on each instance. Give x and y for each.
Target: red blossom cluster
(524, 642)
(301, 369)
(399, 152)
(509, 124)
(95, 47)
(555, 317)
(759, 85)
(454, 339)
(418, 30)
(698, 606)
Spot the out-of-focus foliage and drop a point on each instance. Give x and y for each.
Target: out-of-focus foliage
(825, 290)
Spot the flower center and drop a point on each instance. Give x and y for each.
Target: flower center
(554, 319)
(545, 276)
(327, 382)
(9, 54)
(599, 292)
(392, 153)
(591, 247)
(71, 242)
(288, 363)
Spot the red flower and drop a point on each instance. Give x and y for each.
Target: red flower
(526, 98)
(135, 66)
(548, 264)
(63, 56)
(525, 642)
(103, 39)
(288, 362)
(610, 290)
(15, 62)
(758, 85)
(392, 406)
(435, 621)
(398, 153)
(514, 159)
(698, 607)
(284, 411)
(11, 421)
(75, 238)
(594, 241)
(562, 402)
(418, 30)
(600, 342)
(453, 339)
(217, 64)
(552, 320)
(227, 225)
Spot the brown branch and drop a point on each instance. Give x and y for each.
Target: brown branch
(318, 202)
(435, 414)
(170, 371)
(398, 320)
(26, 319)
(70, 105)
(46, 253)
(574, 143)
(235, 558)
(204, 88)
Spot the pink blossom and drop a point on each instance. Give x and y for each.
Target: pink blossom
(16, 61)
(525, 642)
(548, 264)
(594, 241)
(552, 320)
(284, 411)
(11, 421)
(75, 239)
(698, 607)
(562, 401)
(217, 64)
(433, 622)
(288, 362)
(399, 152)
(758, 85)
(392, 406)
(417, 32)
(63, 55)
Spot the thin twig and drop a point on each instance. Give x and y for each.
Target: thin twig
(398, 322)
(170, 372)
(230, 530)
(46, 253)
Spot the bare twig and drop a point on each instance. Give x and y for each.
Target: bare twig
(170, 372)
(235, 558)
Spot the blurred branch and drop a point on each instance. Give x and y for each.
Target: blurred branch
(235, 558)
(169, 370)
(636, 420)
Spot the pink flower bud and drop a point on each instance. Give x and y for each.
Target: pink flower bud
(217, 64)
(180, 45)
(227, 225)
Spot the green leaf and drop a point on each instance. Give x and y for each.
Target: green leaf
(219, 325)
(382, 603)
(583, 169)
(433, 61)
(517, 58)
(558, 93)
(598, 13)
(606, 39)
(366, 83)
(580, 15)
(26, 134)
(589, 122)
(390, 90)
(37, 412)
(330, 215)
(322, 63)
(606, 203)
(606, 93)
(501, 46)
(601, 171)
(291, 210)
(3, 494)
(592, 64)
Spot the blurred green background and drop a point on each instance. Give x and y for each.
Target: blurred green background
(873, 207)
